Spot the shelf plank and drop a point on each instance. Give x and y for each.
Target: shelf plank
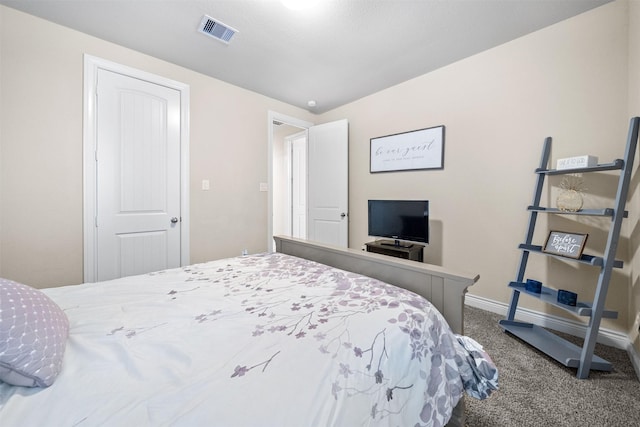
(617, 164)
(592, 212)
(549, 343)
(584, 259)
(550, 296)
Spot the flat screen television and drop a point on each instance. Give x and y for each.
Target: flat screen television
(399, 220)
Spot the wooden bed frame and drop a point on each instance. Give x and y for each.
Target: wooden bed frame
(444, 289)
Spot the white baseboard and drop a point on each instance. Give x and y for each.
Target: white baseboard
(606, 336)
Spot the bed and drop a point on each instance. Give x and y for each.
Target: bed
(305, 336)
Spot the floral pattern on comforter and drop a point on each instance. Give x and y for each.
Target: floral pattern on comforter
(263, 340)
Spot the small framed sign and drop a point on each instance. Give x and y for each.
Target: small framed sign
(414, 150)
(565, 244)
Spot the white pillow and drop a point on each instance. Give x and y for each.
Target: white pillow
(33, 336)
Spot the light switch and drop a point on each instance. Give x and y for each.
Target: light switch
(264, 186)
(205, 184)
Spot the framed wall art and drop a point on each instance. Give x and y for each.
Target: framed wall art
(414, 150)
(565, 244)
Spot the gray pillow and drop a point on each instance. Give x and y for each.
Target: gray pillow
(33, 336)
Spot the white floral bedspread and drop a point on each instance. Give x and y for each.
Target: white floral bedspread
(262, 340)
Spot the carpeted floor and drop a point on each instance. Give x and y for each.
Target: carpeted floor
(535, 390)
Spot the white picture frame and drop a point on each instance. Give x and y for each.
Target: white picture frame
(414, 150)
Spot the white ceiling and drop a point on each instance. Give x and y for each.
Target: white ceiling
(334, 53)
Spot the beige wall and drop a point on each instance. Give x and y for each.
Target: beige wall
(634, 205)
(41, 144)
(568, 81)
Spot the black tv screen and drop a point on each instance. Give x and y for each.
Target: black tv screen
(399, 219)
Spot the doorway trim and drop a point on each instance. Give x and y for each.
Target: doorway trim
(292, 121)
(89, 137)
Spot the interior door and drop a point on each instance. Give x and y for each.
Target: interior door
(328, 183)
(138, 176)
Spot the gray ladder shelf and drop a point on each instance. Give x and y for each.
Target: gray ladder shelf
(556, 347)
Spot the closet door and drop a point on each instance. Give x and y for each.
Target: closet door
(137, 175)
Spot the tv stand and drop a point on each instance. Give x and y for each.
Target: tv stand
(396, 243)
(411, 252)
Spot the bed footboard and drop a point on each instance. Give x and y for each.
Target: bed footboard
(443, 288)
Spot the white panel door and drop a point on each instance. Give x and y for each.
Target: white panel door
(138, 176)
(328, 185)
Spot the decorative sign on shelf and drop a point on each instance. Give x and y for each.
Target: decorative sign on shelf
(565, 244)
(414, 150)
(577, 162)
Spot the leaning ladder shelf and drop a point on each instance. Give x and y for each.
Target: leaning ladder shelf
(558, 348)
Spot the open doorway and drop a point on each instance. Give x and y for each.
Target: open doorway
(290, 181)
(296, 198)
(326, 191)
(287, 177)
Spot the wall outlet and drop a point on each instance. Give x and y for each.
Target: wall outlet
(245, 252)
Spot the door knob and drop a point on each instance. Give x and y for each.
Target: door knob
(174, 220)
(342, 215)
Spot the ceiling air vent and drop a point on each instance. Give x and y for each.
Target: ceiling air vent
(216, 29)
